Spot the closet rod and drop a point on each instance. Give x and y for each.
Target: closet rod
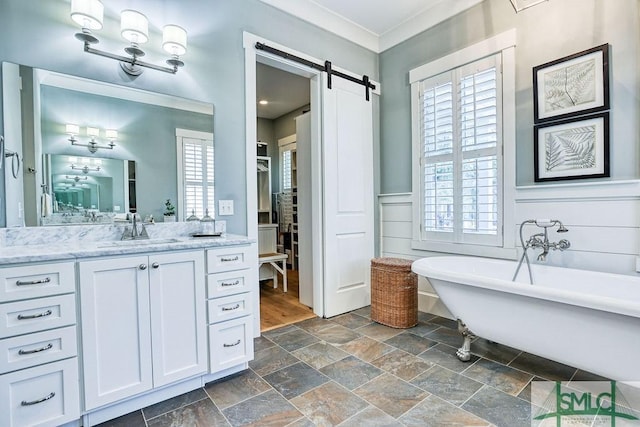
(364, 81)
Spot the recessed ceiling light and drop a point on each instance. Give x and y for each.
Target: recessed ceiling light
(263, 102)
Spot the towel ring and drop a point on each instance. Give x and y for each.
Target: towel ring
(15, 162)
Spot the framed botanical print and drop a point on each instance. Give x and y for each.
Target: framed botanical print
(577, 84)
(572, 149)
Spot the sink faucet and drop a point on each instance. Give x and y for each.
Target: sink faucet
(133, 233)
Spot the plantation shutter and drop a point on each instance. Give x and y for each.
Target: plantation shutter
(197, 167)
(461, 156)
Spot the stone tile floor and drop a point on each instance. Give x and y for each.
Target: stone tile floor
(349, 371)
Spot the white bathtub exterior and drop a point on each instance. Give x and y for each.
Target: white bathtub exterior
(588, 320)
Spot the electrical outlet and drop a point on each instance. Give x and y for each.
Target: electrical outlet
(225, 207)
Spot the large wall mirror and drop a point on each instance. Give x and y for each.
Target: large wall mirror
(94, 149)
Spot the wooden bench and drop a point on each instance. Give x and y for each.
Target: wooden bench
(273, 258)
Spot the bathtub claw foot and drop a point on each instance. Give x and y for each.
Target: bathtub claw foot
(464, 352)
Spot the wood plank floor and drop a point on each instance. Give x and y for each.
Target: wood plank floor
(278, 308)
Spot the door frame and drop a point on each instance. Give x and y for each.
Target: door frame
(252, 57)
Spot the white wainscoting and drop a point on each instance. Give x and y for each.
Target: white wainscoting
(603, 219)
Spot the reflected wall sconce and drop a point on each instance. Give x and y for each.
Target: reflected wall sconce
(520, 5)
(134, 27)
(76, 178)
(110, 134)
(87, 162)
(85, 168)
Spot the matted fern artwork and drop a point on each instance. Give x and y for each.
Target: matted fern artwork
(572, 149)
(574, 85)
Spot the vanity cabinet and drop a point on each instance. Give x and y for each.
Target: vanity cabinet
(39, 382)
(143, 323)
(230, 308)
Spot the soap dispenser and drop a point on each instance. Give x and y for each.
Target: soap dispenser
(207, 224)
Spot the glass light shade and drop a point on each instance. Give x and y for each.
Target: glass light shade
(72, 129)
(134, 26)
(93, 132)
(111, 134)
(87, 13)
(174, 39)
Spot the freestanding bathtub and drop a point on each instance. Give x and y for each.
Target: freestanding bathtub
(588, 320)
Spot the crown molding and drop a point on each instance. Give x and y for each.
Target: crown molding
(426, 19)
(322, 17)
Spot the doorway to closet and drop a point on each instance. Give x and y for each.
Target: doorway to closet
(340, 154)
(283, 105)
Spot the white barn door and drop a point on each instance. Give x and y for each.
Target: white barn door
(348, 196)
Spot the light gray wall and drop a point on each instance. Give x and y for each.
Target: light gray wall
(545, 32)
(40, 33)
(285, 125)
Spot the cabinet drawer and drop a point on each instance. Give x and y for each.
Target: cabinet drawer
(229, 283)
(230, 343)
(46, 395)
(231, 307)
(35, 349)
(229, 258)
(40, 314)
(39, 280)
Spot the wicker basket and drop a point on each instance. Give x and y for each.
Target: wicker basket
(394, 293)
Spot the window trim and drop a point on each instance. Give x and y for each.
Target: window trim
(180, 134)
(504, 44)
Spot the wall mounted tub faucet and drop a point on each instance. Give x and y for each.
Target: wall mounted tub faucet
(541, 240)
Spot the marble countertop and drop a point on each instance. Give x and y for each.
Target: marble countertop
(75, 248)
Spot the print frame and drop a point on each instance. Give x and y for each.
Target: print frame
(572, 149)
(574, 85)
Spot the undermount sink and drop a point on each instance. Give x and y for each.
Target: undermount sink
(136, 242)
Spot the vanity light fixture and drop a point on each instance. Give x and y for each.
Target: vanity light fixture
(134, 27)
(93, 133)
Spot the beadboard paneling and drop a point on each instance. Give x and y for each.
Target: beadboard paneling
(603, 222)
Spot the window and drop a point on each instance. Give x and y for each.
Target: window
(460, 137)
(458, 127)
(196, 173)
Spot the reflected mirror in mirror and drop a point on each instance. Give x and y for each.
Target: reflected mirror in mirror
(87, 189)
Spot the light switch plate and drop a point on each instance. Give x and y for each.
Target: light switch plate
(225, 207)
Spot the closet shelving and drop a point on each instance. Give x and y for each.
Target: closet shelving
(264, 189)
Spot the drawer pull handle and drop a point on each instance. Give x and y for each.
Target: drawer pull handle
(33, 282)
(35, 402)
(235, 307)
(142, 266)
(155, 265)
(34, 316)
(37, 350)
(231, 345)
(237, 282)
(235, 258)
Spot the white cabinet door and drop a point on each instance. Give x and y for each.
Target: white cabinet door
(348, 196)
(178, 318)
(116, 333)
